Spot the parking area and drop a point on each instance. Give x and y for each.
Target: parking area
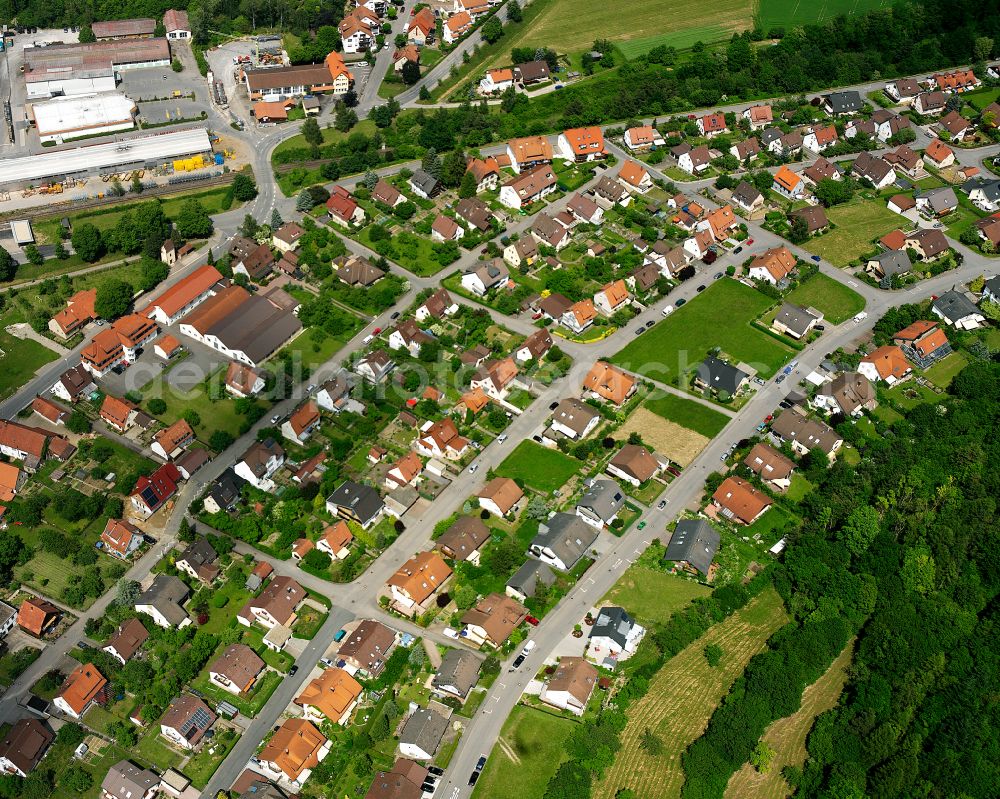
(181, 375)
(163, 111)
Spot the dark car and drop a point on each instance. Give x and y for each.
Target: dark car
(700, 288)
(293, 670)
(820, 328)
(474, 778)
(517, 661)
(650, 323)
(680, 302)
(553, 406)
(780, 378)
(437, 771)
(737, 251)
(395, 315)
(640, 331)
(537, 439)
(816, 258)
(481, 763)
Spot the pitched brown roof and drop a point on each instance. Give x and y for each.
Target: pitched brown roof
(420, 576)
(498, 615)
(128, 638)
(503, 491)
(741, 499)
(82, 687)
(636, 461)
(239, 664)
(332, 693)
(768, 462)
(575, 676)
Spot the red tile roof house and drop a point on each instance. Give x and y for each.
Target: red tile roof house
(118, 414)
(343, 208)
(335, 540)
(48, 410)
(301, 424)
(151, 492)
(74, 317)
(184, 296)
(84, 686)
(170, 442)
(712, 125)
(582, 144)
(737, 500)
(36, 616)
(121, 538)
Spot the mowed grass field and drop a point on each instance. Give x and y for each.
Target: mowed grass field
(539, 467)
(688, 413)
(791, 13)
(787, 736)
(653, 596)
(719, 317)
(535, 739)
(681, 699)
(837, 301)
(858, 223)
(571, 26)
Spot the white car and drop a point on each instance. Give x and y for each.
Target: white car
(528, 647)
(450, 633)
(501, 438)
(861, 316)
(473, 468)
(668, 310)
(368, 339)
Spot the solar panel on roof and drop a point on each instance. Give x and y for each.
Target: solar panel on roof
(149, 497)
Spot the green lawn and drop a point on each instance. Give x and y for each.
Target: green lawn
(539, 467)
(772, 525)
(309, 622)
(943, 372)
(536, 738)
(837, 302)
(51, 574)
(689, 414)
(330, 135)
(20, 360)
(719, 317)
(799, 487)
(213, 199)
(910, 394)
(858, 223)
(215, 408)
(653, 596)
(792, 13)
(981, 98)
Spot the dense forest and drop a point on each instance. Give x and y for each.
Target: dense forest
(904, 550)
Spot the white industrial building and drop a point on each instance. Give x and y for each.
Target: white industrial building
(72, 69)
(64, 118)
(139, 153)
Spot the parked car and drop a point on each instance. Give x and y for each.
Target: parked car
(340, 635)
(528, 646)
(395, 315)
(668, 310)
(640, 331)
(719, 276)
(474, 468)
(649, 323)
(780, 378)
(517, 662)
(553, 406)
(450, 633)
(819, 328)
(700, 288)
(531, 620)
(437, 771)
(680, 302)
(816, 258)
(474, 778)
(293, 670)
(501, 438)
(537, 439)
(642, 524)
(759, 382)
(661, 504)
(738, 250)
(749, 242)
(482, 761)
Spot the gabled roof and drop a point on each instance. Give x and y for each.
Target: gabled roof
(694, 541)
(239, 664)
(612, 622)
(25, 743)
(185, 291)
(608, 382)
(636, 461)
(190, 717)
(421, 576)
(36, 614)
(294, 748)
(790, 425)
(938, 151)
(465, 536)
(604, 499)
(575, 676)
(368, 645)
(332, 693)
(503, 491)
(778, 261)
(766, 461)
(82, 687)
(498, 615)
(740, 499)
(954, 306)
(585, 141)
(172, 438)
(458, 669)
(118, 535)
(128, 638)
(787, 179)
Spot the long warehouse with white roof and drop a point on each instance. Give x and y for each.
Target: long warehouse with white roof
(139, 153)
(64, 118)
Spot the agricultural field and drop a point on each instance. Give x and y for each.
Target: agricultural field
(787, 736)
(538, 467)
(653, 596)
(682, 697)
(837, 301)
(678, 443)
(688, 413)
(720, 317)
(791, 13)
(528, 753)
(570, 26)
(858, 223)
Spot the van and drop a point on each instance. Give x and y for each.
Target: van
(668, 310)
(528, 647)
(340, 635)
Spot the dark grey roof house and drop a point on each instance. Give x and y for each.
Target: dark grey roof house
(600, 505)
(563, 539)
(795, 320)
(225, 491)
(422, 733)
(524, 582)
(888, 264)
(457, 674)
(357, 502)
(126, 780)
(613, 623)
(693, 545)
(956, 309)
(424, 184)
(717, 375)
(848, 102)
